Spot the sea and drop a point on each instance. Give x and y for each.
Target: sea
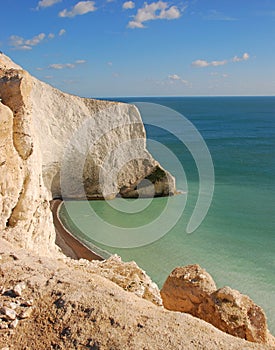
(225, 170)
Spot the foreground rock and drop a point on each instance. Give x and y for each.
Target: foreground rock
(75, 308)
(186, 288)
(191, 289)
(126, 275)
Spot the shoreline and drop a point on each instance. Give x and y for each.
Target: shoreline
(69, 244)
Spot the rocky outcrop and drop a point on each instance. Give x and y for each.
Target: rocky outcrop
(68, 306)
(89, 148)
(191, 289)
(126, 275)
(54, 144)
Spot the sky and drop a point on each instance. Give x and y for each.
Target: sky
(113, 48)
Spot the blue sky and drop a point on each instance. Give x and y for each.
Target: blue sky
(111, 48)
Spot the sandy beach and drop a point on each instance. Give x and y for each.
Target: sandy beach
(69, 245)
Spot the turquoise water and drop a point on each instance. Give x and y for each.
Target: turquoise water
(236, 241)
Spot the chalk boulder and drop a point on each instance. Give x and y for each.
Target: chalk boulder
(192, 290)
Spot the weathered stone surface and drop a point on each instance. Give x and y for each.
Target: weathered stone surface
(236, 314)
(25, 215)
(191, 289)
(127, 275)
(26, 313)
(18, 288)
(14, 323)
(54, 144)
(73, 306)
(8, 313)
(89, 148)
(186, 288)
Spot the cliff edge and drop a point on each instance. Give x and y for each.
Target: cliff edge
(56, 145)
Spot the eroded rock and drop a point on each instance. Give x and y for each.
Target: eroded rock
(89, 147)
(191, 289)
(8, 313)
(129, 276)
(236, 314)
(57, 145)
(186, 288)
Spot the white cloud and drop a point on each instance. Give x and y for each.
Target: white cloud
(47, 3)
(51, 36)
(174, 78)
(204, 63)
(62, 32)
(214, 15)
(59, 66)
(110, 64)
(153, 11)
(80, 61)
(128, 5)
(81, 8)
(218, 63)
(200, 63)
(35, 40)
(244, 57)
(216, 74)
(19, 43)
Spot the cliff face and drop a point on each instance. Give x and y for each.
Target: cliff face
(89, 148)
(25, 215)
(54, 144)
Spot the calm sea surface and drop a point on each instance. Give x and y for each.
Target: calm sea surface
(236, 241)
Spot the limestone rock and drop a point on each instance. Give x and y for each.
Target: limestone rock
(54, 144)
(25, 215)
(14, 323)
(18, 288)
(76, 308)
(186, 288)
(89, 148)
(191, 289)
(128, 276)
(26, 313)
(236, 314)
(8, 313)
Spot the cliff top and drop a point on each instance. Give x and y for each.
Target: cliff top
(7, 63)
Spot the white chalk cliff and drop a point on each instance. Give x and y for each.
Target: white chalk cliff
(58, 145)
